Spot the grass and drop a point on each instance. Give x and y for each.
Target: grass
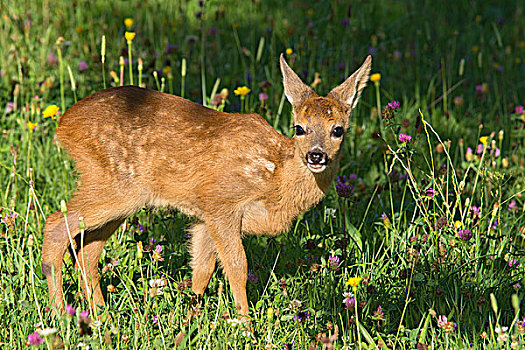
(456, 70)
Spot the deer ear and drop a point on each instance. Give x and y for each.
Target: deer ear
(349, 91)
(295, 90)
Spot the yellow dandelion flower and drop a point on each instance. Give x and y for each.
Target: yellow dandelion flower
(475, 48)
(353, 281)
(166, 70)
(79, 29)
(129, 36)
(128, 22)
(32, 126)
(289, 51)
(50, 111)
(457, 224)
(374, 78)
(483, 140)
(242, 91)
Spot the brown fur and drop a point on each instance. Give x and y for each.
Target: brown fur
(135, 147)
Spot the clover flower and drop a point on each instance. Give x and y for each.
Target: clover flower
(156, 255)
(85, 323)
(252, 277)
(465, 234)
(333, 262)
(349, 301)
(393, 105)
(82, 66)
(518, 110)
(35, 339)
(263, 96)
(70, 310)
(430, 192)
(343, 187)
(404, 137)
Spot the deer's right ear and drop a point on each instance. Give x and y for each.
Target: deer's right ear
(295, 90)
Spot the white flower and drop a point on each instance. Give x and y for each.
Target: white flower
(47, 332)
(234, 321)
(330, 212)
(295, 304)
(348, 295)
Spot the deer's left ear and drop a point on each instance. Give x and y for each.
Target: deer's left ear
(349, 91)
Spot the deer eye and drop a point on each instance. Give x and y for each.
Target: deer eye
(299, 131)
(338, 131)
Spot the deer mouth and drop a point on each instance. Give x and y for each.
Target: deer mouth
(316, 168)
(316, 161)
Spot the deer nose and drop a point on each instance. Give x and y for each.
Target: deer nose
(316, 157)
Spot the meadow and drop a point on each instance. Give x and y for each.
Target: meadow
(420, 242)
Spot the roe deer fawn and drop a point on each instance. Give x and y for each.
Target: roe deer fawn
(233, 172)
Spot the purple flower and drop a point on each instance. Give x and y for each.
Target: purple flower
(371, 50)
(345, 22)
(479, 149)
(344, 190)
(352, 177)
(494, 225)
(35, 339)
(170, 49)
(82, 66)
(403, 176)
(442, 320)
(51, 59)
(519, 110)
(397, 55)
(393, 105)
(404, 137)
(476, 211)
(430, 192)
(349, 303)
(512, 205)
(70, 310)
(141, 228)
(84, 323)
(302, 316)
(152, 241)
(9, 108)
(263, 96)
(514, 263)
(155, 319)
(479, 88)
(465, 234)
(287, 346)
(333, 262)
(252, 277)
(213, 31)
(198, 14)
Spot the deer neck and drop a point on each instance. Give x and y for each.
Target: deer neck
(300, 188)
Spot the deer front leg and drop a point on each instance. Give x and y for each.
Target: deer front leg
(203, 258)
(228, 243)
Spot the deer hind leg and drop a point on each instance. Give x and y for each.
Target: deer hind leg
(96, 213)
(203, 257)
(88, 254)
(228, 243)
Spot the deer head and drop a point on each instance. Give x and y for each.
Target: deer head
(321, 122)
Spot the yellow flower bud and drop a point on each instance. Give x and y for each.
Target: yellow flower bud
(374, 78)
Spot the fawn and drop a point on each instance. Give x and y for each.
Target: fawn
(234, 173)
